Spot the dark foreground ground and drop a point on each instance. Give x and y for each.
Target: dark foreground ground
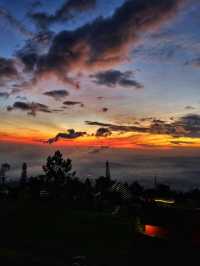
(52, 234)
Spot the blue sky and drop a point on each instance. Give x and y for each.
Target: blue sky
(160, 61)
(130, 67)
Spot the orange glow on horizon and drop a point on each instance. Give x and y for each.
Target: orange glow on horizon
(134, 141)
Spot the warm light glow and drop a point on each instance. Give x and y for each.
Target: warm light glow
(133, 141)
(156, 231)
(164, 201)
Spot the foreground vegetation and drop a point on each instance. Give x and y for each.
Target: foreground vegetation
(59, 219)
(51, 232)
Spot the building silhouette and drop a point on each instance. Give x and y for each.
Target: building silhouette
(23, 179)
(108, 175)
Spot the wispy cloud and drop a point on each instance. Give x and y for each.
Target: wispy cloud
(58, 95)
(72, 103)
(8, 71)
(189, 107)
(67, 11)
(31, 108)
(4, 95)
(185, 126)
(5, 14)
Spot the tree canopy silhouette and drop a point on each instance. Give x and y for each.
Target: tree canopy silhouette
(57, 169)
(4, 168)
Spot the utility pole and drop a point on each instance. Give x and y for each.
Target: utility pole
(108, 170)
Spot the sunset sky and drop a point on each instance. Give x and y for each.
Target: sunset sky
(98, 79)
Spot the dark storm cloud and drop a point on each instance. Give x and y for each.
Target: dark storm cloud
(29, 59)
(72, 103)
(67, 11)
(70, 134)
(106, 41)
(30, 108)
(4, 95)
(112, 78)
(103, 132)
(57, 94)
(16, 24)
(8, 70)
(34, 47)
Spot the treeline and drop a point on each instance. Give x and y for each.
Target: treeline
(60, 182)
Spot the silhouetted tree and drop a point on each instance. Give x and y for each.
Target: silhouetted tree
(35, 186)
(4, 168)
(103, 184)
(136, 189)
(57, 169)
(88, 185)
